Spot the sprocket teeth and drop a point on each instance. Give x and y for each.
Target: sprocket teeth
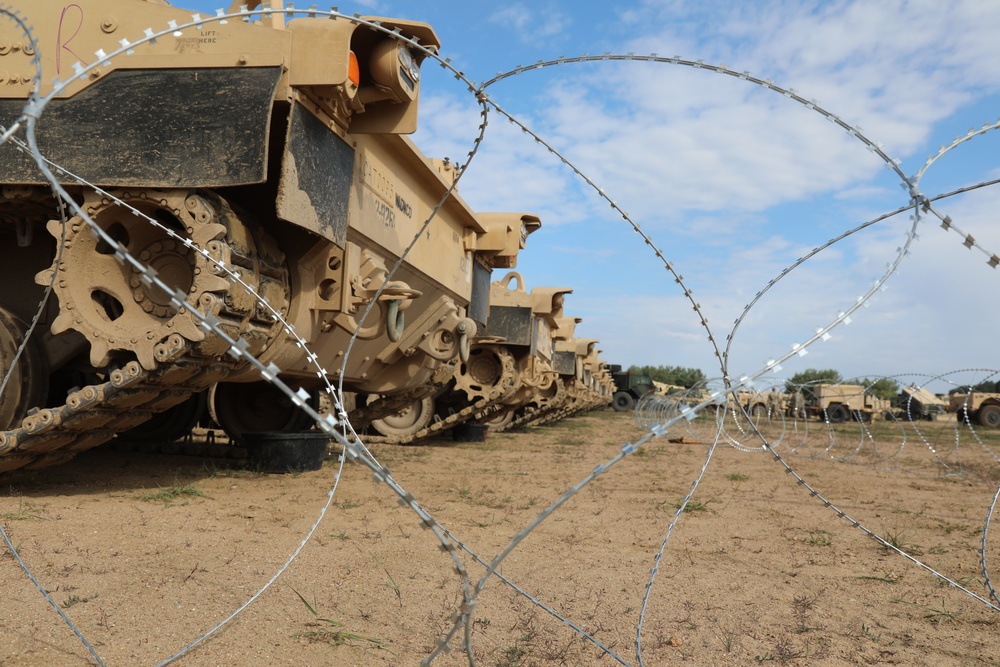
(145, 355)
(210, 232)
(131, 315)
(215, 284)
(44, 277)
(186, 327)
(54, 227)
(100, 353)
(63, 323)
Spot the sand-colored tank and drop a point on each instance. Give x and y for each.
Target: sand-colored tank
(272, 148)
(579, 392)
(509, 366)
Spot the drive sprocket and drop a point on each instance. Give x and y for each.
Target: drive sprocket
(108, 301)
(490, 373)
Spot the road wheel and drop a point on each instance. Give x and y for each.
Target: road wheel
(989, 416)
(836, 414)
(407, 420)
(500, 422)
(28, 381)
(168, 426)
(623, 401)
(254, 407)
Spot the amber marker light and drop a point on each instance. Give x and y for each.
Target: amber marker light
(354, 70)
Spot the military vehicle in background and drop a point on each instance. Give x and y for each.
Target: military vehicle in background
(525, 368)
(272, 157)
(629, 388)
(575, 388)
(509, 364)
(526, 327)
(772, 403)
(977, 407)
(917, 403)
(836, 403)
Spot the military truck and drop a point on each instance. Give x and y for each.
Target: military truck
(917, 403)
(257, 168)
(836, 403)
(976, 407)
(629, 388)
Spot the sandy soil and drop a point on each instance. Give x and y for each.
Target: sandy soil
(146, 552)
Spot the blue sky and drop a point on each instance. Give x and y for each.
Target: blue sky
(735, 182)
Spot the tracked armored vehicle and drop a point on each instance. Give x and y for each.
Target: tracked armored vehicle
(510, 361)
(578, 389)
(247, 157)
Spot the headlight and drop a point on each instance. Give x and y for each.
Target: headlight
(408, 64)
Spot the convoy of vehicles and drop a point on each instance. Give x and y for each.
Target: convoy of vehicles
(274, 199)
(258, 169)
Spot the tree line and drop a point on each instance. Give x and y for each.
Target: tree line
(675, 375)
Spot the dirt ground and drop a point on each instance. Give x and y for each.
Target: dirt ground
(147, 552)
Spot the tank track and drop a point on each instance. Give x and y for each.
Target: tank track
(435, 427)
(571, 404)
(94, 414)
(184, 364)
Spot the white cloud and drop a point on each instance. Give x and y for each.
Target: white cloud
(532, 24)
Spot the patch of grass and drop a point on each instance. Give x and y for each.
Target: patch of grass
(76, 599)
(897, 540)
(965, 582)
(870, 634)
(949, 528)
(737, 477)
(514, 656)
(499, 503)
(328, 630)
(691, 507)
(394, 587)
(728, 639)
(818, 538)
(934, 614)
(23, 512)
(573, 442)
(171, 493)
(887, 578)
(485, 497)
(802, 607)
